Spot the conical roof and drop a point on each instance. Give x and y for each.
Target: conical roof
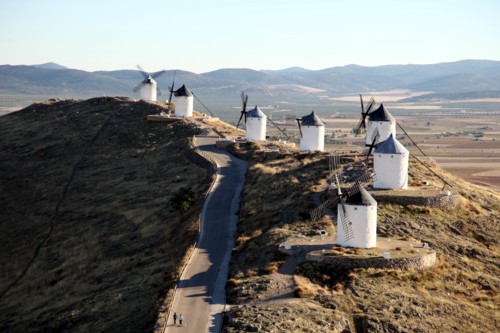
(255, 113)
(381, 114)
(390, 146)
(362, 198)
(182, 91)
(312, 120)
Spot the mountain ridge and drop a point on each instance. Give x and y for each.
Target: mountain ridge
(460, 76)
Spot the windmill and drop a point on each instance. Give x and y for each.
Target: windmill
(390, 164)
(148, 87)
(312, 132)
(362, 219)
(381, 120)
(183, 102)
(171, 92)
(362, 122)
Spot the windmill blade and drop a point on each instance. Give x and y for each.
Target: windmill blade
(333, 164)
(244, 101)
(157, 74)
(300, 127)
(239, 120)
(371, 104)
(354, 189)
(146, 75)
(346, 222)
(136, 89)
(317, 212)
(361, 125)
(360, 182)
(375, 137)
(362, 104)
(275, 125)
(158, 91)
(172, 89)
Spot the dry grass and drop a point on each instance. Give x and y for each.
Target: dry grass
(108, 261)
(463, 284)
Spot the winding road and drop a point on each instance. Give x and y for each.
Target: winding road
(200, 295)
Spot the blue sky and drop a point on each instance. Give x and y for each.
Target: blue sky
(200, 36)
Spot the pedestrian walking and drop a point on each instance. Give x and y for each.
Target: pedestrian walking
(175, 318)
(181, 319)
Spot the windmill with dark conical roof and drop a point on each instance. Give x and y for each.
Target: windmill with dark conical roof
(312, 133)
(361, 211)
(390, 165)
(256, 122)
(183, 102)
(380, 120)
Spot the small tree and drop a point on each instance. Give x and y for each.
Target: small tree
(183, 199)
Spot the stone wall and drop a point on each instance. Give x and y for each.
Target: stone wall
(406, 263)
(439, 201)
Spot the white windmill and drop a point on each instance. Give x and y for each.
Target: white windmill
(359, 212)
(356, 214)
(390, 164)
(379, 119)
(148, 87)
(183, 102)
(256, 124)
(255, 120)
(312, 133)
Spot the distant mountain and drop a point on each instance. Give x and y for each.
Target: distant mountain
(286, 71)
(55, 80)
(50, 65)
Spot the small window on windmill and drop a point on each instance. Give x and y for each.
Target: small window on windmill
(355, 208)
(392, 156)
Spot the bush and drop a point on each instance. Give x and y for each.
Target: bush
(183, 199)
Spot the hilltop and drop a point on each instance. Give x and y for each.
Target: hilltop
(91, 233)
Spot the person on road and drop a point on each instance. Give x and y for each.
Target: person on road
(175, 318)
(181, 319)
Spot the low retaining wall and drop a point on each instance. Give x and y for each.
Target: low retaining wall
(406, 263)
(439, 201)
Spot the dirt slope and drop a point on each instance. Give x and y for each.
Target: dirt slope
(89, 239)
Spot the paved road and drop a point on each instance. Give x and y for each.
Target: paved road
(200, 296)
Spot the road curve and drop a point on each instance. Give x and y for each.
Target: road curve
(200, 294)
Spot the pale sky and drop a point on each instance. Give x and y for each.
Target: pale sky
(204, 35)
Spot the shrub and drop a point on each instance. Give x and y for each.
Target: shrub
(183, 199)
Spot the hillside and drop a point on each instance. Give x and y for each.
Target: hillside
(460, 293)
(91, 235)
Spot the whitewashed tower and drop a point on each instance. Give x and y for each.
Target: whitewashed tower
(148, 88)
(312, 133)
(183, 102)
(361, 211)
(382, 120)
(390, 165)
(256, 122)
